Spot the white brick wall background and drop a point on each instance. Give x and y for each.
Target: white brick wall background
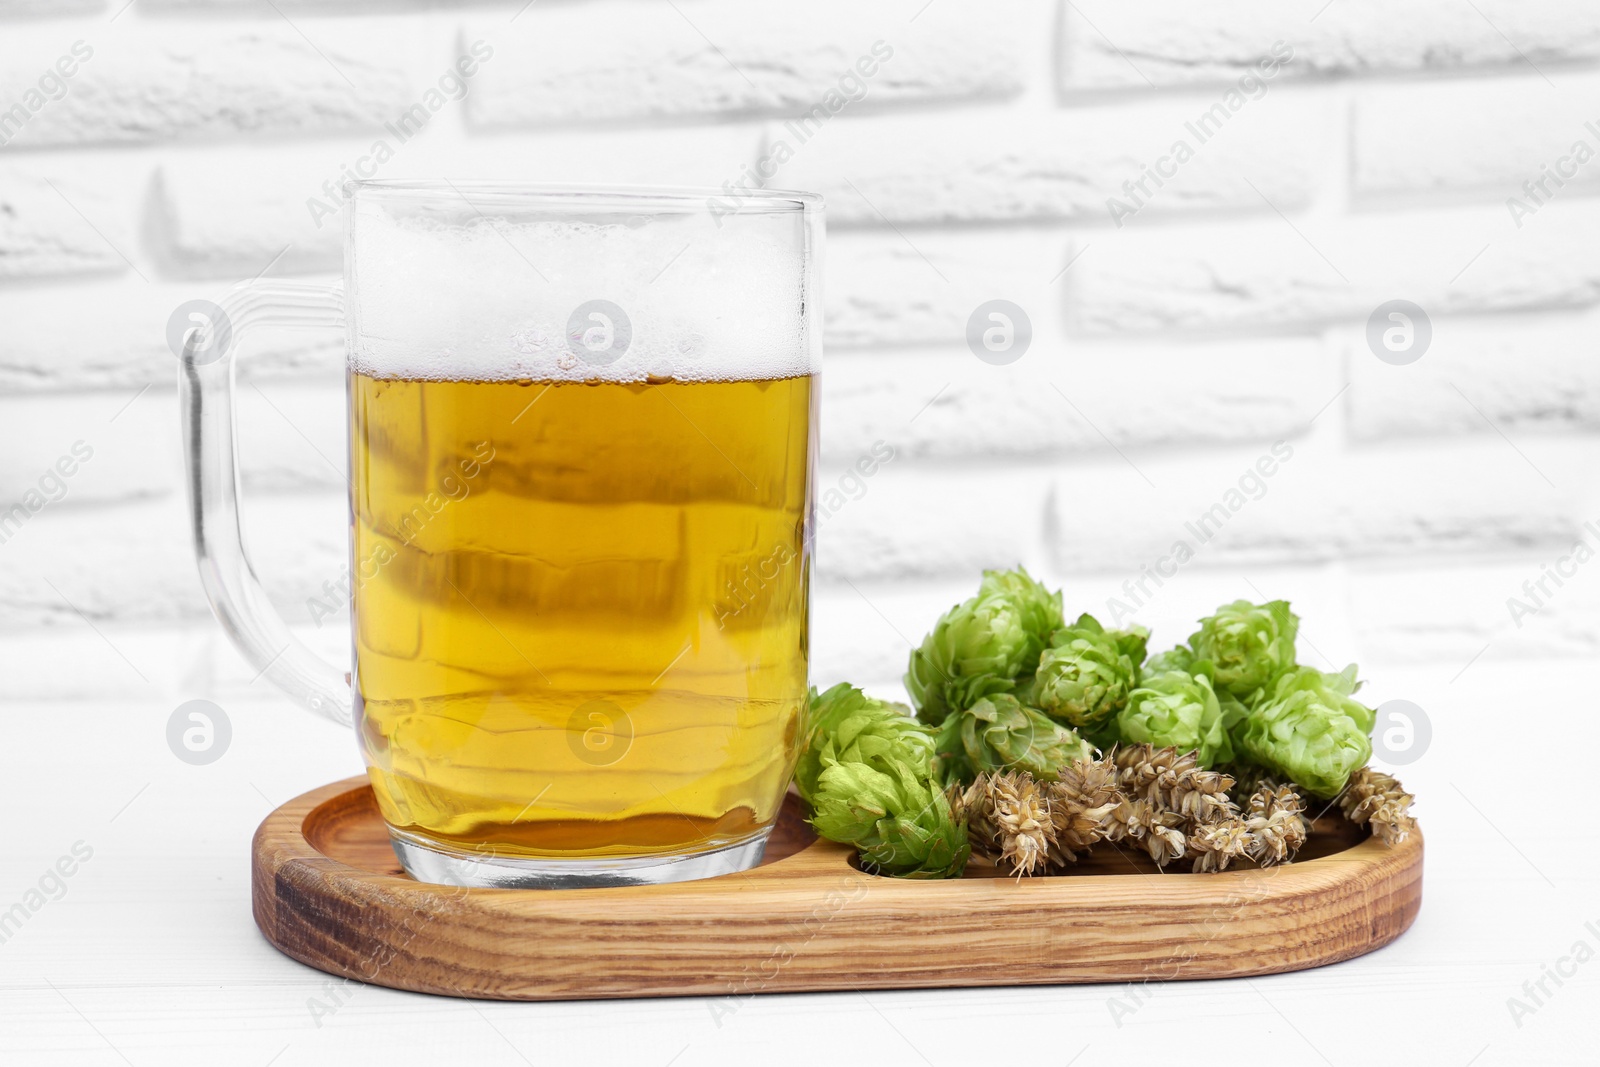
(1170, 352)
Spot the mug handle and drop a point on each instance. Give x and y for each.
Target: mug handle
(205, 387)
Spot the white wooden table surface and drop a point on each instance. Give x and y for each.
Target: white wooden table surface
(148, 956)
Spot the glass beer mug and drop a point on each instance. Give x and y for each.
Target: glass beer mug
(582, 428)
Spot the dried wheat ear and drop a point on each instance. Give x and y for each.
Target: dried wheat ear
(1375, 800)
(1162, 802)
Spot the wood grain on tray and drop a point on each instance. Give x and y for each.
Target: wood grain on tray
(328, 892)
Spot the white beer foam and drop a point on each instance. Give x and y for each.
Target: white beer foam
(491, 298)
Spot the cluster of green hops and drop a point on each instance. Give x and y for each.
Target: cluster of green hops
(1248, 645)
(1235, 691)
(1003, 684)
(1309, 729)
(850, 727)
(1006, 663)
(1086, 674)
(983, 646)
(1002, 733)
(866, 769)
(1180, 709)
(1006, 683)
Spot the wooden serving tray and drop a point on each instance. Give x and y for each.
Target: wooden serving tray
(329, 893)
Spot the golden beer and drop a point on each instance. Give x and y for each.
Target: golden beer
(580, 609)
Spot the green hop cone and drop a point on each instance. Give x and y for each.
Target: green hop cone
(1084, 677)
(982, 646)
(1040, 608)
(1334, 690)
(1182, 710)
(1173, 659)
(1000, 733)
(1249, 645)
(1304, 730)
(847, 726)
(899, 820)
